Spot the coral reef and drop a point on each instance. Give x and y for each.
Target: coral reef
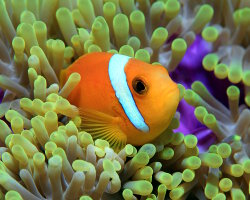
(45, 154)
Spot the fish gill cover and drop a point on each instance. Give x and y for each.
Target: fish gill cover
(45, 154)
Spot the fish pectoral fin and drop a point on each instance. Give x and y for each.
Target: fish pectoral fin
(103, 126)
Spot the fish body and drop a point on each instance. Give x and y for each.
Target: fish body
(122, 99)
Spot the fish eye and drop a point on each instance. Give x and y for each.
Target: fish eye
(139, 86)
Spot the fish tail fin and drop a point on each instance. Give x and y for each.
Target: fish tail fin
(103, 126)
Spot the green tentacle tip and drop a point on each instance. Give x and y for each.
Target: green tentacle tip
(127, 6)
(246, 78)
(143, 55)
(235, 74)
(94, 48)
(127, 50)
(159, 37)
(83, 34)
(174, 124)
(190, 141)
(246, 14)
(179, 46)
(39, 158)
(172, 8)
(108, 166)
(81, 165)
(5, 130)
(4, 177)
(164, 177)
(167, 153)
(144, 173)
(86, 139)
(200, 113)
(247, 99)
(197, 85)
(210, 120)
(210, 61)
(241, 16)
(177, 179)
(224, 150)
(137, 18)
(211, 190)
(210, 34)
(85, 198)
(236, 193)
(108, 8)
(191, 162)
(140, 187)
(11, 195)
(191, 97)
(236, 17)
(18, 44)
(182, 90)
(127, 194)
(162, 188)
(141, 158)
(87, 10)
(149, 149)
(120, 22)
(64, 14)
(219, 196)
(205, 13)
(129, 149)
(188, 175)
(40, 28)
(69, 52)
(101, 143)
(113, 51)
(27, 32)
(233, 92)
(8, 139)
(221, 71)
(176, 193)
(97, 26)
(236, 138)
(134, 42)
(211, 160)
(225, 184)
(237, 170)
(156, 166)
(100, 33)
(177, 138)
(121, 29)
(246, 166)
(55, 161)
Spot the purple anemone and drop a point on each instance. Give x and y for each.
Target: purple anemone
(189, 70)
(1, 95)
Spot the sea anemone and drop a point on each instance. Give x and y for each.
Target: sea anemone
(44, 152)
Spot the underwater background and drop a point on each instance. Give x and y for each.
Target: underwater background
(204, 153)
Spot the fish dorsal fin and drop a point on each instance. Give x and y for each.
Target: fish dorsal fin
(103, 126)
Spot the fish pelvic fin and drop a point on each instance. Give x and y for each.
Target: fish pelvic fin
(103, 126)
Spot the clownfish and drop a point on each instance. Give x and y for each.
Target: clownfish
(122, 99)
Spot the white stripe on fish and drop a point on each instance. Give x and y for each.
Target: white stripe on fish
(119, 83)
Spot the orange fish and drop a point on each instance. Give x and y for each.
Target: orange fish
(122, 99)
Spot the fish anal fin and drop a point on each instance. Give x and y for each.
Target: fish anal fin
(103, 126)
